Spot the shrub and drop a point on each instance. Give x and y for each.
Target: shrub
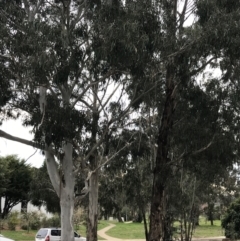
(51, 222)
(13, 220)
(24, 227)
(35, 224)
(31, 220)
(231, 221)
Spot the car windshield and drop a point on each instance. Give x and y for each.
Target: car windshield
(42, 233)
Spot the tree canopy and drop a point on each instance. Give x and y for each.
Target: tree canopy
(124, 81)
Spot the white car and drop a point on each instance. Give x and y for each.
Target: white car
(2, 238)
(53, 234)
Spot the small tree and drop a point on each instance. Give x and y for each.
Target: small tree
(31, 219)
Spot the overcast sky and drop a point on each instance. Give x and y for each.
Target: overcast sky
(15, 128)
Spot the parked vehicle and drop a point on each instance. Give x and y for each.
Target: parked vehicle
(2, 238)
(53, 234)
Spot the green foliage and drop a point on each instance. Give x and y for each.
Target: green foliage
(4, 172)
(35, 224)
(31, 219)
(24, 227)
(42, 191)
(231, 220)
(13, 220)
(51, 222)
(16, 186)
(146, 44)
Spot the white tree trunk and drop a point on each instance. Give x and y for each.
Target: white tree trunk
(67, 204)
(67, 194)
(63, 181)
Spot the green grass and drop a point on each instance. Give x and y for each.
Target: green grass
(124, 231)
(136, 230)
(19, 235)
(127, 231)
(206, 230)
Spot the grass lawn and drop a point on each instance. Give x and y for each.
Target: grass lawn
(127, 231)
(124, 231)
(206, 230)
(136, 230)
(19, 235)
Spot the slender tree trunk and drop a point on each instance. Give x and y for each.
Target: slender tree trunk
(93, 181)
(93, 208)
(145, 223)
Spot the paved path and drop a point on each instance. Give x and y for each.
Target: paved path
(109, 238)
(102, 233)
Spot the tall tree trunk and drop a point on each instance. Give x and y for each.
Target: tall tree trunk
(67, 194)
(162, 169)
(93, 181)
(67, 204)
(63, 181)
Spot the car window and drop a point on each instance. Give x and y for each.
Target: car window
(42, 233)
(76, 235)
(55, 232)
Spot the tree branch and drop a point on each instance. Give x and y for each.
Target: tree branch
(21, 140)
(202, 67)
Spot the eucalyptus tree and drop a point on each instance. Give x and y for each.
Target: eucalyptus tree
(184, 53)
(67, 63)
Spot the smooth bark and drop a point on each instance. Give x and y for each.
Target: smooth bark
(63, 181)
